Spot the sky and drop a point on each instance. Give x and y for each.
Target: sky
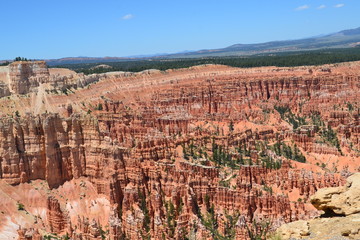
(45, 29)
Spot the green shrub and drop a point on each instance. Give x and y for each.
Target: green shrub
(20, 207)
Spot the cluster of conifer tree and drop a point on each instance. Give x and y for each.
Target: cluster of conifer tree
(294, 153)
(289, 59)
(15, 60)
(287, 115)
(20, 59)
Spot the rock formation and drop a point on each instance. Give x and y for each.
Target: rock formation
(190, 153)
(341, 206)
(23, 77)
(339, 200)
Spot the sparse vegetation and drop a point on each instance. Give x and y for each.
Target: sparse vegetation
(231, 126)
(20, 59)
(103, 233)
(258, 230)
(316, 119)
(210, 221)
(20, 207)
(99, 107)
(293, 153)
(287, 115)
(350, 107)
(327, 134)
(268, 189)
(4, 63)
(221, 156)
(330, 137)
(170, 218)
(145, 210)
(230, 225)
(225, 183)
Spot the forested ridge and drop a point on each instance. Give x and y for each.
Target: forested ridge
(287, 59)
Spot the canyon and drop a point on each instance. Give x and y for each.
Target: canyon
(207, 152)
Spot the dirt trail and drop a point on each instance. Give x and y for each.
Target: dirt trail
(40, 102)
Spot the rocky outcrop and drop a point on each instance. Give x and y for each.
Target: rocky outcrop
(29, 234)
(24, 76)
(341, 206)
(339, 200)
(4, 90)
(56, 218)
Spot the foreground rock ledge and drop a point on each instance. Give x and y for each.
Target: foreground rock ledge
(341, 218)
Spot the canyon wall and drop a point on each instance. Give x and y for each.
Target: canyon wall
(23, 77)
(180, 154)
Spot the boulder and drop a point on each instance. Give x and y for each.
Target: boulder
(343, 200)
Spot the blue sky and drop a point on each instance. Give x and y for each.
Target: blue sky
(69, 28)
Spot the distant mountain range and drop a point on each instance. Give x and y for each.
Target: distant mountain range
(75, 60)
(343, 39)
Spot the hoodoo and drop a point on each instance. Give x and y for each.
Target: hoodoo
(207, 152)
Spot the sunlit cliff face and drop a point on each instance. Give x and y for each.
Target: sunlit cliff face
(192, 152)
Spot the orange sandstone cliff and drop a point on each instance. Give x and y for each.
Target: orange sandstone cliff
(201, 153)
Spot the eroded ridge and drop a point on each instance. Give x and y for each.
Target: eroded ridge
(202, 152)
